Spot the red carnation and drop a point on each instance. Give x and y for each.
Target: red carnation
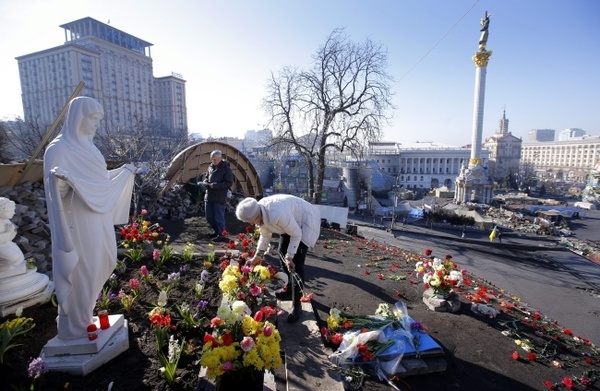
(567, 382)
(227, 339)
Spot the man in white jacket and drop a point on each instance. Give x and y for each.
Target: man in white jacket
(298, 223)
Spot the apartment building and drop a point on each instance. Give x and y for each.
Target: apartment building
(117, 70)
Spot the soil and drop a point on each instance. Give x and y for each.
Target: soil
(347, 272)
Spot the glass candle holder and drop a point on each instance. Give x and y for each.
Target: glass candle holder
(103, 318)
(92, 331)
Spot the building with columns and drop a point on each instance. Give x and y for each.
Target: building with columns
(505, 151)
(421, 165)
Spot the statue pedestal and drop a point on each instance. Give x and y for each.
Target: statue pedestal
(82, 356)
(22, 287)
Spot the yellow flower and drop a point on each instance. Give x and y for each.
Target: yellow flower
(263, 272)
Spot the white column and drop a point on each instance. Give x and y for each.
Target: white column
(480, 73)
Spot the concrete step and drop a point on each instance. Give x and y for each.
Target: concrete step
(307, 366)
(306, 363)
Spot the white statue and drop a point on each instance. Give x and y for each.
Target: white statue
(85, 201)
(10, 254)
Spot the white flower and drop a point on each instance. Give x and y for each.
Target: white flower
(224, 312)
(383, 310)
(162, 299)
(239, 309)
(19, 311)
(174, 349)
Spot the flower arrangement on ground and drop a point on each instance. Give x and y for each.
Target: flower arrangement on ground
(442, 276)
(140, 235)
(241, 342)
(248, 283)
(377, 340)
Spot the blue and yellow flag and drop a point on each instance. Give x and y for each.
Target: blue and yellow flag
(494, 234)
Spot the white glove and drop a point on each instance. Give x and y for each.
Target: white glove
(141, 170)
(289, 260)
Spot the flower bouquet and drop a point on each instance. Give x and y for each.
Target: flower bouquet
(376, 340)
(442, 276)
(249, 284)
(241, 345)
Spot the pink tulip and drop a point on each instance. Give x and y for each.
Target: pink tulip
(268, 331)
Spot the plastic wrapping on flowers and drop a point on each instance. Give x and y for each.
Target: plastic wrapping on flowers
(382, 348)
(387, 360)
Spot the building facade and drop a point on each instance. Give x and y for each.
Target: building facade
(569, 160)
(541, 135)
(505, 152)
(116, 68)
(422, 165)
(570, 133)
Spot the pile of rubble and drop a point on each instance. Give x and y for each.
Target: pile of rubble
(33, 230)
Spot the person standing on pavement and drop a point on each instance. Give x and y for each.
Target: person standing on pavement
(218, 182)
(298, 222)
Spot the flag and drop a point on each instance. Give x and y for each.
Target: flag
(494, 234)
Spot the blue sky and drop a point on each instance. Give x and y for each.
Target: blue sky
(544, 70)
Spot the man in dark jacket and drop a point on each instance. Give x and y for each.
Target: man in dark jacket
(219, 180)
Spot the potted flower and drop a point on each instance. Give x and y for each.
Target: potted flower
(241, 347)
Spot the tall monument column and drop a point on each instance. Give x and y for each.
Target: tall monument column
(474, 184)
(481, 59)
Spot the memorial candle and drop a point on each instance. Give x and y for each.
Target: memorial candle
(103, 317)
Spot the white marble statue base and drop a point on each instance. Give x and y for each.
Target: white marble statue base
(82, 356)
(23, 290)
(29, 301)
(14, 271)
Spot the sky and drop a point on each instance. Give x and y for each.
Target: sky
(544, 69)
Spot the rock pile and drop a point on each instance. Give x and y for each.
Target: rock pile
(33, 230)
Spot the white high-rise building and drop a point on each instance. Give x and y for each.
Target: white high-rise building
(116, 68)
(571, 134)
(541, 135)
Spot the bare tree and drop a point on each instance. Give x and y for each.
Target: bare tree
(339, 104)
(25, 137)
(147, 144)
(5, 146)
